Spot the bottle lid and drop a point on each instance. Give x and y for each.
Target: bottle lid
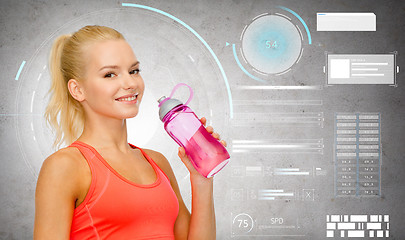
(167, 104)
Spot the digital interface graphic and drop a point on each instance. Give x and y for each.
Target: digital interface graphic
(362, 69)
(307, 94)
(271, 44)
(358, 154)
(360, 226)
(337, 21)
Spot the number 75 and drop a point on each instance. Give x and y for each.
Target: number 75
(244, 222)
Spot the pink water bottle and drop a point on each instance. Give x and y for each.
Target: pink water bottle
(206, 153)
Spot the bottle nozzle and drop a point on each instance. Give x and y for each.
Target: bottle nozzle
(161, 99)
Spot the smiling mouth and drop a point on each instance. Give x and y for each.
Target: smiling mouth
(127, 99)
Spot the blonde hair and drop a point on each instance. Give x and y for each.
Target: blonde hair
(66, 61)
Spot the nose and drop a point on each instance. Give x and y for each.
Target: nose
(130, 81)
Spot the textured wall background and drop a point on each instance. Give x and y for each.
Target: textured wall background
(28, 27)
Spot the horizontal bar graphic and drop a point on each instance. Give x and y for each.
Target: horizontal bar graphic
(291, 173)
(315, 119)
(286, 169)
(269, 146)
(375, 226)
(253, 168)
(364, 69)
(277, 194)
(266, 198)
(280, 87)
(368, 74)
(283, 145)
(358, 218)
(271, 190)
(368, 117)
(370, 64)
(355, 233)
(346, 226)
(278, 102)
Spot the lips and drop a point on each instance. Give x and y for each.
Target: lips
(128, 97)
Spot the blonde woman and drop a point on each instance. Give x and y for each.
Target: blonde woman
(100, 186)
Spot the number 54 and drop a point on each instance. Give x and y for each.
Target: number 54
(271, 45)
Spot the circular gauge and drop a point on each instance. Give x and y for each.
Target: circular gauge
(271, 44)
(242, 223)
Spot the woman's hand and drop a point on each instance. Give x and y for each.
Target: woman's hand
(184, 158)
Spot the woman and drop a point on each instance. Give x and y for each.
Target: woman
(100, 186)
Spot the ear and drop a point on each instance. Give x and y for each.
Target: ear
(76, 90)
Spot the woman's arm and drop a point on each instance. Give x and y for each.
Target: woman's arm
(202, 222)
(55, 196)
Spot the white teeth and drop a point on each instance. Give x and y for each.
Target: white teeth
(128, 98)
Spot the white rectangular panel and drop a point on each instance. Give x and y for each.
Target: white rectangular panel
(355, 233)
(346, 22)
(361, 69)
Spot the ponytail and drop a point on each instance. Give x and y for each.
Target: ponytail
(64, 113)
(61, 103)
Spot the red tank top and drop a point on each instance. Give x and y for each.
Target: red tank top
(116, 208)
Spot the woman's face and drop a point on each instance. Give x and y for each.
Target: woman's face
(113, 85)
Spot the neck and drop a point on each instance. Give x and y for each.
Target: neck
(103, 132)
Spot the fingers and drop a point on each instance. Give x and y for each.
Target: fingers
(216, 135)
(182, 152)
(223, 143)
(203, 121)
(210, 129)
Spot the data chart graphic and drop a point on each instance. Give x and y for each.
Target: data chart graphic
(358, 154)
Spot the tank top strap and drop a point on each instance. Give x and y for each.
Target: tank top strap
(98, 173)
(97, 167)
(86, 152)
(150, 160)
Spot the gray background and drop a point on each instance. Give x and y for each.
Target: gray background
(26, 26)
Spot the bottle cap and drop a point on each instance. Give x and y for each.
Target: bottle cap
(166, 105)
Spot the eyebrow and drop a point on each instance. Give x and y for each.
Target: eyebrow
(115, 66)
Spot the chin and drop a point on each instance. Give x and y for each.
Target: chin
(131, 115)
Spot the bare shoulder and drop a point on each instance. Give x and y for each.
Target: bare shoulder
(158, 158)
(163, 163)
(63, 159)
(65, 165)
(58, 188)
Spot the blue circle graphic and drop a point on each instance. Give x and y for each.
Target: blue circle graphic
(271, 44)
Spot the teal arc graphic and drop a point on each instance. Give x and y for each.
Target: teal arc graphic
(19, 70)
(200, 38)
(301, 20)
(241, 67)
